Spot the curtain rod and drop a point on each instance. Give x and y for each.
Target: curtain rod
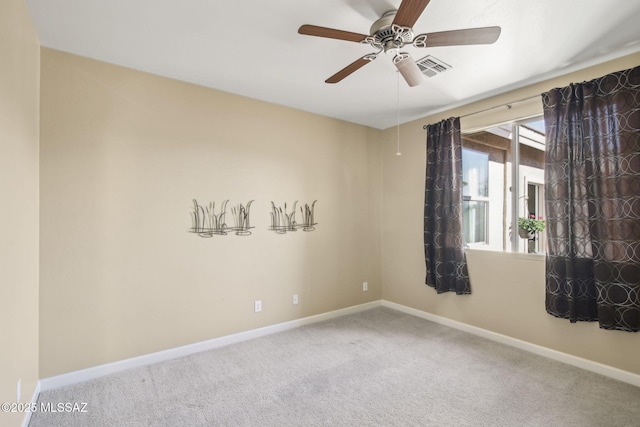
(507, 104)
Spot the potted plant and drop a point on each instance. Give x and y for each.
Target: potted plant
(528, 227)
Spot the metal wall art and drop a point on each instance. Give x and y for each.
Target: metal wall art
(206, 223)
(283, 220)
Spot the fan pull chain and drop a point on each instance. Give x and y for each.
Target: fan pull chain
(398, 153)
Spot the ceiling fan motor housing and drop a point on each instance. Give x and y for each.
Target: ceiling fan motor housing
(384, 36)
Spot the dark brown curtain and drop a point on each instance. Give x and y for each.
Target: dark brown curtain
(592, 200)
(443, 239)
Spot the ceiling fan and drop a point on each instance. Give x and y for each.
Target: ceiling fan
(393, 31)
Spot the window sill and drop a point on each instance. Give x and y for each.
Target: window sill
(510, 255)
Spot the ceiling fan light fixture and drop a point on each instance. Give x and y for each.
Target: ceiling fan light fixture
(409, 70)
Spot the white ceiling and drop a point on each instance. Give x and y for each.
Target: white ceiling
(252, 47)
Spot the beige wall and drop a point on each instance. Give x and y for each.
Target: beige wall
(508, 289)
(123, 153)
(19, 86)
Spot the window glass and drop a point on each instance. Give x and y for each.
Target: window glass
(475, 221)
(475, 173)
(475, 193)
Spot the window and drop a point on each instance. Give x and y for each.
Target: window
(503, 179)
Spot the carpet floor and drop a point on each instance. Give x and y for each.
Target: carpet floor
(379, 367)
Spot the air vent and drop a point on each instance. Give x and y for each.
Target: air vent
(430, 66)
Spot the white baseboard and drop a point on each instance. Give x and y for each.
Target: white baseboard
(34, 401)
(186, 350)
(589, 365)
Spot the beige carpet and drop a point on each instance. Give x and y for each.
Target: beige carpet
(375, 368)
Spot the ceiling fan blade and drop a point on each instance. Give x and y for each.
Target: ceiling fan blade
(313, 30)
(409, 12)
(485, 35)
(408, 68)
(354, 66)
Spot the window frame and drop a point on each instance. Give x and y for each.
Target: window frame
(482, 199)
(515, 178)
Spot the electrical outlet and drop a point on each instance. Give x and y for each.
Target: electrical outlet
(365, 286)
(295, 299)
(257, 306)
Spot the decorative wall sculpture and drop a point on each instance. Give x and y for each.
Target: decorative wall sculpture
(206, 223)
(283, 220)
(308, 223)
(241, 219)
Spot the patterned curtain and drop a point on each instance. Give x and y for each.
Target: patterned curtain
(592, 200)
(443, 240)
